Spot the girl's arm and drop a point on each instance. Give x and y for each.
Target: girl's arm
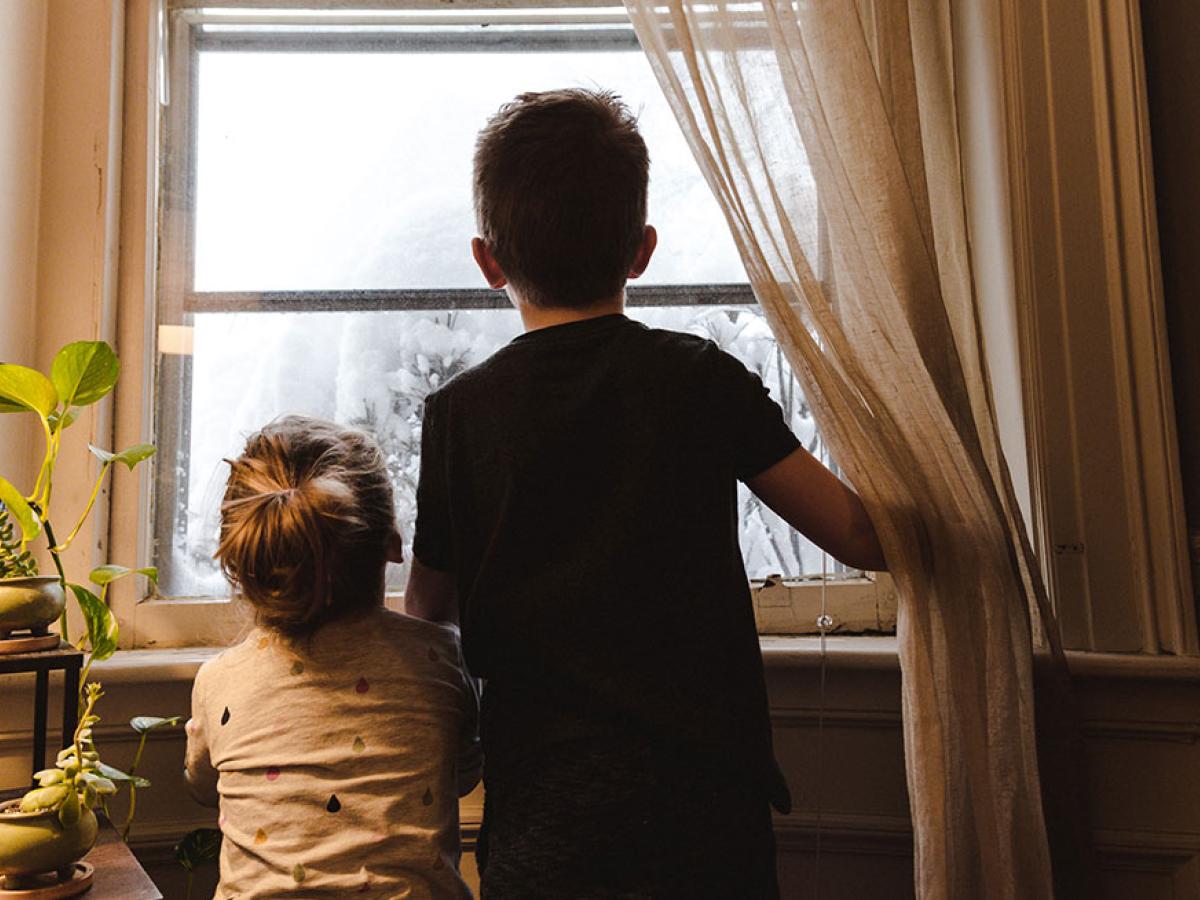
(198, 769)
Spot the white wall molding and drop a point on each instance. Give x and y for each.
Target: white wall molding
(1106, 492)
(1155, 856)
(836, 717)
(870, 835)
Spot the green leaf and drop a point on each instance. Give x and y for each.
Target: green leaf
(117, 776)
(199, 848)
(103, 575)
(26, 390)
(99, 783)
(40, 799)
(142, 724)
(130, 456)
(47, 777)
(102, 629)
(19, 509)
(109, 573)
(59, 421)
(69, 812)
(84, 371)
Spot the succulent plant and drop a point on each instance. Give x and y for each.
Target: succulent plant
(78, 780)
(15, 562)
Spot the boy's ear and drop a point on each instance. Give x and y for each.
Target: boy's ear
(645, 251)
(491, 270)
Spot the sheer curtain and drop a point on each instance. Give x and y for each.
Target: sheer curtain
(827, 130)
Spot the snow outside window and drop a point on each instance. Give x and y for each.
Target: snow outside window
(314, 247)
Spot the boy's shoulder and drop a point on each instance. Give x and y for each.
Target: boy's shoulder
(662, 349)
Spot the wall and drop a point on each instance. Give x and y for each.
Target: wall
(22, 62)
(841, 750)
(1171, 33)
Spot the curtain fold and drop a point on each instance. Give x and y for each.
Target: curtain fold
(827, 131)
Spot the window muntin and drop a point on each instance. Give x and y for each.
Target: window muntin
(299, 159)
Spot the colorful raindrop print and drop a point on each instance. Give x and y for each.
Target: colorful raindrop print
(272, 773)
(260, 837)
(298, 873)
(297, 668)
(427, 800)
(362, 687)
(359, 745)
(262, 643)
(225, 716)
(334, 805)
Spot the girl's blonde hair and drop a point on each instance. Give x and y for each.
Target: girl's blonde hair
(306, 522)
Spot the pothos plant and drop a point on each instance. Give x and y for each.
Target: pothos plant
(81, 374)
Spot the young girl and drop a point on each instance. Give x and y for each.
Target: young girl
(338, 736)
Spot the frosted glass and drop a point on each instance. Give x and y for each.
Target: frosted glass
(373, 370)
(353, 170)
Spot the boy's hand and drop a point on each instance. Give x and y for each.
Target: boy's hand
(816, 503)
(395, 551)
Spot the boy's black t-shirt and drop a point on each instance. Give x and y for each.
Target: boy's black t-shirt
(581, 485)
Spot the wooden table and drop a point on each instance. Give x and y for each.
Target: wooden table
(41, 662)
(119, 876)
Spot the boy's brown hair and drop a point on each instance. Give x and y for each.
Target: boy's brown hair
(306, 522)
(560, 194)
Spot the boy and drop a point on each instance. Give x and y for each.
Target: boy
(576, 513)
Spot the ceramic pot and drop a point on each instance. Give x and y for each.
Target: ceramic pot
(33, 843)
(31, 603)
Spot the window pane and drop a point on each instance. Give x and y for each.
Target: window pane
(374, 370)
(339, 170)
(349, 169)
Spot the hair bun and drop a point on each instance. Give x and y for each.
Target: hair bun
(305, 523)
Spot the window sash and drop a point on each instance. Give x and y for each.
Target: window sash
(176, 620)
(441, 299)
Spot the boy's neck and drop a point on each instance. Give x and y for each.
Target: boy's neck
(536, 317)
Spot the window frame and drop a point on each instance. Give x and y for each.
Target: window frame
(150, 620)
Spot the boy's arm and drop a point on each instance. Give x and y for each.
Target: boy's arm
(198, 769)
(431, 594)
(432, 591)
(820, 506)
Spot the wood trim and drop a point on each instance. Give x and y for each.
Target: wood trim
(1106, 491)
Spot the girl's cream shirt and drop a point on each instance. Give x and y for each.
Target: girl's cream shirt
(338, 762)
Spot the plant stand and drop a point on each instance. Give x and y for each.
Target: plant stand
(41, 663)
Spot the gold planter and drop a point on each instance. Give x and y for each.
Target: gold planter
(29, 603)
(35, 843)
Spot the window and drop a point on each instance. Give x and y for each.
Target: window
(315, 217)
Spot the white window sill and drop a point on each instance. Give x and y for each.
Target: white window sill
(779, 651)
